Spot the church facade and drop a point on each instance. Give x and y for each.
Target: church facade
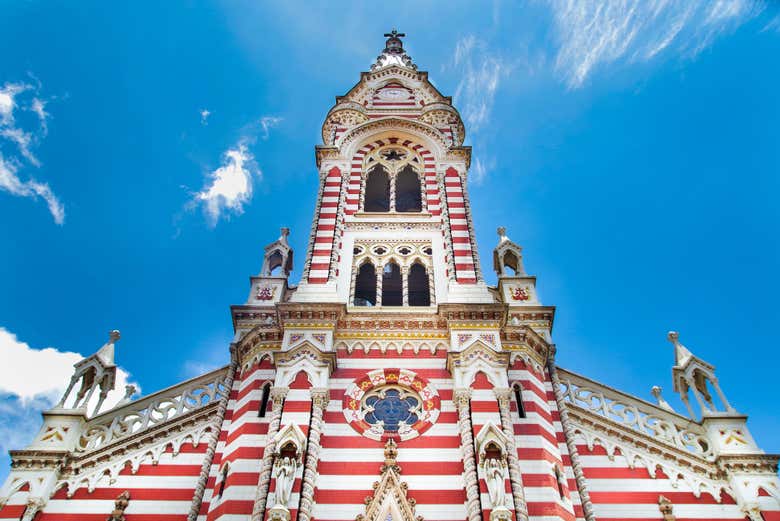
(392, 383)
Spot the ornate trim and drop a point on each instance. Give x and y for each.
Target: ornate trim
(389, 498)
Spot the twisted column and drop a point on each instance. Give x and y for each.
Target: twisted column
(405, 285)
(568, 431)
(219, 418)
(462, 399)
(521, 507)
(319, 402)
(277, 396)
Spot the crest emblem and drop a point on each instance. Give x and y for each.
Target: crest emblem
(519, 293)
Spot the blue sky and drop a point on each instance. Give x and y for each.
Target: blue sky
(631, 149)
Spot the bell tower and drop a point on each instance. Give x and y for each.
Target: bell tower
(392, 226)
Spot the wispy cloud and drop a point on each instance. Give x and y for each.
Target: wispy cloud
(22, 397)
(591, 33)
(480, 168)
(480, 71)
(204, 116)
(16, 97)
(267, 123)
(11, 183)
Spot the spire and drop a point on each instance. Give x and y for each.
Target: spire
(393, 53)
(681, 353)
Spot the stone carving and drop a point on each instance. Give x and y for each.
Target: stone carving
(665, 506)
(285, 476)
(389, 492)
(121, 503)
(155, 409)
(661, 425)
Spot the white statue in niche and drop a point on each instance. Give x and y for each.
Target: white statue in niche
(285, 476)
(494, 478)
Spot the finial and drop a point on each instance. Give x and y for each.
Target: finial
(391, 452)
(663, 404)
(673, 336)
(284, 233)
(502, 234)
(393, 53)
(114, 335)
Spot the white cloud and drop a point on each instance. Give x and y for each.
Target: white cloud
(229, 186)
(480, 169)
(14, 97)
(33, 380)
(10, 182)
(43, 374)
(480, 73)
(596, 32)
(204, 116)
(267, 123)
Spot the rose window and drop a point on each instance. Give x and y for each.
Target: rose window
(391, 406)
(391, 403)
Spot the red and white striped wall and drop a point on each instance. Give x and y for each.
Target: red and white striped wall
(540, 447)
(324, 233)
(349, 462)
(240, 447)
(462, 242)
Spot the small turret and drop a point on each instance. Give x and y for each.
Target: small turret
(507, 256)
(278, 259)
(693, 373)
(269, 287)
(96, 371)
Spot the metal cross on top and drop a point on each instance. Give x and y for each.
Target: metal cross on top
(395, 34)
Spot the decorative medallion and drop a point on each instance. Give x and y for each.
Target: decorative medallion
(265, 293)
(391, 403)
(519, 293)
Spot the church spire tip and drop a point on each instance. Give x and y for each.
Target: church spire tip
(393, 53)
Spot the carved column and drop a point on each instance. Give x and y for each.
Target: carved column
(405, 285)
(462, 399)
(379, 275)
(219, 418)
(277, 396)
(568, 431)
(319, 402)
(392, 177)
(521, 507)
(34, 505)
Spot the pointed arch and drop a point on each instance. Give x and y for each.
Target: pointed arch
(264, 399)
(365, 285)
(377, 192)
(418, 284)
(517, 389)
(392, 285)
(408, 194)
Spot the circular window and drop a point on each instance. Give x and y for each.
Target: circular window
(391, 403)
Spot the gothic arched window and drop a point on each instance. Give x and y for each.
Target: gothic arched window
(408, 197)
(519, 400)
(511, 264)
(419, 292)
(392, 287)
(377, 195)
(275, 261)
(365, 285)
(264, 399)
(223, 480)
